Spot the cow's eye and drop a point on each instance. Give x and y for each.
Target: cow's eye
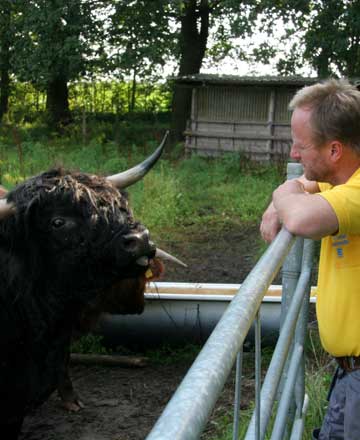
(57, 222)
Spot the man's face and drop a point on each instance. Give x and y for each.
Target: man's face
(313, 158)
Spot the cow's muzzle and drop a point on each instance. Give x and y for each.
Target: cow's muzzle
(137, 244)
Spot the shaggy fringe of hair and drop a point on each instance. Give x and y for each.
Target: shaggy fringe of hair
(96, 191)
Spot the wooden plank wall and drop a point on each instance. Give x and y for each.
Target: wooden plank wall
(251, 120)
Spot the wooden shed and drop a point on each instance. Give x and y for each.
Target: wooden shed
(241, 114)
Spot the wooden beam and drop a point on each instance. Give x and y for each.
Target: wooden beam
(219, 135)
(108, 360)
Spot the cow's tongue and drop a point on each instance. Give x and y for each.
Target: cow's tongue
(155, 270)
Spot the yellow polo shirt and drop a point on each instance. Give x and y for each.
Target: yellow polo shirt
(338, 293)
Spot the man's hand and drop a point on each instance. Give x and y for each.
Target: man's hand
(289, 187)
(270, 224)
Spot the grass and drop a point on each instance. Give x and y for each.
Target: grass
(170, 354)
(89, 344)
(176, 194)
(319, 372)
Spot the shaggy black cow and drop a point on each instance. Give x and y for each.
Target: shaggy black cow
(65, 240)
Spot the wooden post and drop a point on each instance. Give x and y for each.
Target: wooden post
(271, 116)
(108, 360)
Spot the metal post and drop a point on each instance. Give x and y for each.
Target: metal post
(257, 376)
(286, 397)
(292, 265)
(290, 275)
(239, 358)
(301, 330)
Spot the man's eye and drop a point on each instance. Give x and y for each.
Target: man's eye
(57, 222)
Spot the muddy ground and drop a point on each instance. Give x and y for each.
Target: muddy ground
(124, 403)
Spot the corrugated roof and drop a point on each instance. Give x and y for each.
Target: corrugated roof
(207, 78)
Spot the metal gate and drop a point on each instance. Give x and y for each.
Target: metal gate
(186, 414)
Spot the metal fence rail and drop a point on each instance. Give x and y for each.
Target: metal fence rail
(282, 352)
(189, 409)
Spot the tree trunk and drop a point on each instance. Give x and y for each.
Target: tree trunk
(4, 62)
(193, 40)
(57, 103)
(322, 64)
(4, 91)
(133, 92)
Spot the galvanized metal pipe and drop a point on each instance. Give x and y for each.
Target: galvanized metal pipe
(301, 328)
(290, 275)
(190, 407)
(277, 363)
(257, 376)
(237, 401)
(299, 424)
(292, 265)
(286, 396)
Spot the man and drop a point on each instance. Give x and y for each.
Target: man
(325, 203)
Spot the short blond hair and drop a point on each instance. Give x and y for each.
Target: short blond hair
(335, 106)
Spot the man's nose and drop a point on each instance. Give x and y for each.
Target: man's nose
(294, 154)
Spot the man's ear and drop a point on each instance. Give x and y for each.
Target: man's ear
(336, 150)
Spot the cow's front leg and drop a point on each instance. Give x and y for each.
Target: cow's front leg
(69, 398)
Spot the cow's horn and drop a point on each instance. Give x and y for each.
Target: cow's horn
(6, 208)
(131, 176)
(165, 256)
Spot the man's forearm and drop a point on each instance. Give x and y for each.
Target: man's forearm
(305, 215)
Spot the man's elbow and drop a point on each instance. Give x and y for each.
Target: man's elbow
(305, 229)
(292, 225)
(296, 226)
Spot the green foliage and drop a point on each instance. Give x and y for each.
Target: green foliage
(141, 31)
(332, 38)
(177, 193)
(106, 101)
(321, 33)
(89, 344)
(223, 425)
(319, 372)
(167, 354)
(54, 39)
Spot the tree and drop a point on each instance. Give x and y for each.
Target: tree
(197, 18)
(332, 38)
(6, 37)
(147, 34)
(55, 46)
(327, 31)
(141, 38)
(194, 18)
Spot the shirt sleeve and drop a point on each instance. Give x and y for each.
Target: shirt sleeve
(345, 201)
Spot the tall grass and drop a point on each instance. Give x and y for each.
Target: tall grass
(176, 193)
(319, 372)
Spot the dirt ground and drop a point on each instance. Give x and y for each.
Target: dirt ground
(124, 403)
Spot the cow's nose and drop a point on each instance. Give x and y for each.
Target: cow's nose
(137, 243)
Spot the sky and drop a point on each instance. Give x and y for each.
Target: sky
(230, 66)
